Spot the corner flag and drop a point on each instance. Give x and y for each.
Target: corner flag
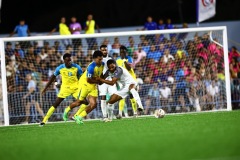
(205, 9)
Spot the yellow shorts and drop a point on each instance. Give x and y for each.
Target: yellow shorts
(84, 92)
(67, 91)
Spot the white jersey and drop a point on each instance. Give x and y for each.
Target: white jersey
(105, 59)
(123, 76)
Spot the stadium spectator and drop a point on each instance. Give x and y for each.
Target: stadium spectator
(233, 53)
(9, 51)
(75, 28)
(19, 51)
(36, 47)
(43, 54)
(150, 25)
(139, 53)
(31, 97)
(169, 25)
(90, 27)
(116, 45)
(63, 29)
(22, 30)
(165, 96)
(153, 99)
(153, 53)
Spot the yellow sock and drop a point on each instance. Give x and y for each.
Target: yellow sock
(82, 108)
(134, 105)
(83, 114)
(49, 113)
(121, 105)
(67, 109)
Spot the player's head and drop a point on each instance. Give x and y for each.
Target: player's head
(97, 57)
(123, 51)
(104, 50)
(111, 63)
(67, 60)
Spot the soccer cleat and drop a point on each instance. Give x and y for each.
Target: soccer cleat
(107, 120)
(135, 115)
(78, 119)
(65, 116)
(41, 124)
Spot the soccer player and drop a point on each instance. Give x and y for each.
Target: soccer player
(120, 75)
(126, 62)
(104, 88)
(88, 88)
(70, 73)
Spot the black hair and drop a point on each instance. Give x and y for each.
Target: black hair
(111, 61)
(123, 47)
(66, 55)
(97, 53)
(103, 46)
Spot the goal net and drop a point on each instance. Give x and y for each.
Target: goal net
(178, 70)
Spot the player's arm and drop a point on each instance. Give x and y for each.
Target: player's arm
(115, 77)
(112, 82)
(52, 79)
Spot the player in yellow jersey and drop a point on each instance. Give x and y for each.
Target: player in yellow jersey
(70, 73)
(89, 88)
(125, 62)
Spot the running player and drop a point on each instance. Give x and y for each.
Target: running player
(104, 88)
(88, 88)
(120, 75)
(126, 62)
(70, 73)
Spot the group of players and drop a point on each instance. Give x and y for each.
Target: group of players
(103, 74)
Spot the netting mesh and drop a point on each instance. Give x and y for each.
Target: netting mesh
(181, 72)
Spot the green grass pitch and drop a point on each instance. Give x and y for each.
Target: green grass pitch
(211, 136)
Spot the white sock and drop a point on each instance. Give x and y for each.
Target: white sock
(104, 108)
(110, 110)
(120, 113)
(125, 110)
(137, 98)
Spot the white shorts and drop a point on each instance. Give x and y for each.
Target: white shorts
(124, 91)
(105, 88)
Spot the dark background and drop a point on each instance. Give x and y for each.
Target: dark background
(44, 15)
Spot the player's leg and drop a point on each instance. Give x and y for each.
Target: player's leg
(121, 105)
(92, 98)
(51, 110)
(134, 105)
(92, 105)
(110, 104)
(136, 96)
(82, 92)
(102, 92)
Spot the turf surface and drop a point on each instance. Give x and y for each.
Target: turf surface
(214, 136)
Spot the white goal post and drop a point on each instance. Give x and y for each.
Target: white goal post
(223, 43)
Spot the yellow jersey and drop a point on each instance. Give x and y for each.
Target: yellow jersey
(70, 76)
(92, 71)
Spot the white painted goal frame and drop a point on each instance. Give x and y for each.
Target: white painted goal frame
(112, 34)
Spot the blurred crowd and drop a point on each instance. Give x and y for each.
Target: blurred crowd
(174, 72)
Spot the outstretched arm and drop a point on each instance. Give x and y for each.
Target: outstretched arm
(53, 77)
(112, 82)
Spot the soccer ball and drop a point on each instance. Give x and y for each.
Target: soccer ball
(159, 113)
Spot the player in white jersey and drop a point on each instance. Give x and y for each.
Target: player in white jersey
(104, 88)
(120, 75)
